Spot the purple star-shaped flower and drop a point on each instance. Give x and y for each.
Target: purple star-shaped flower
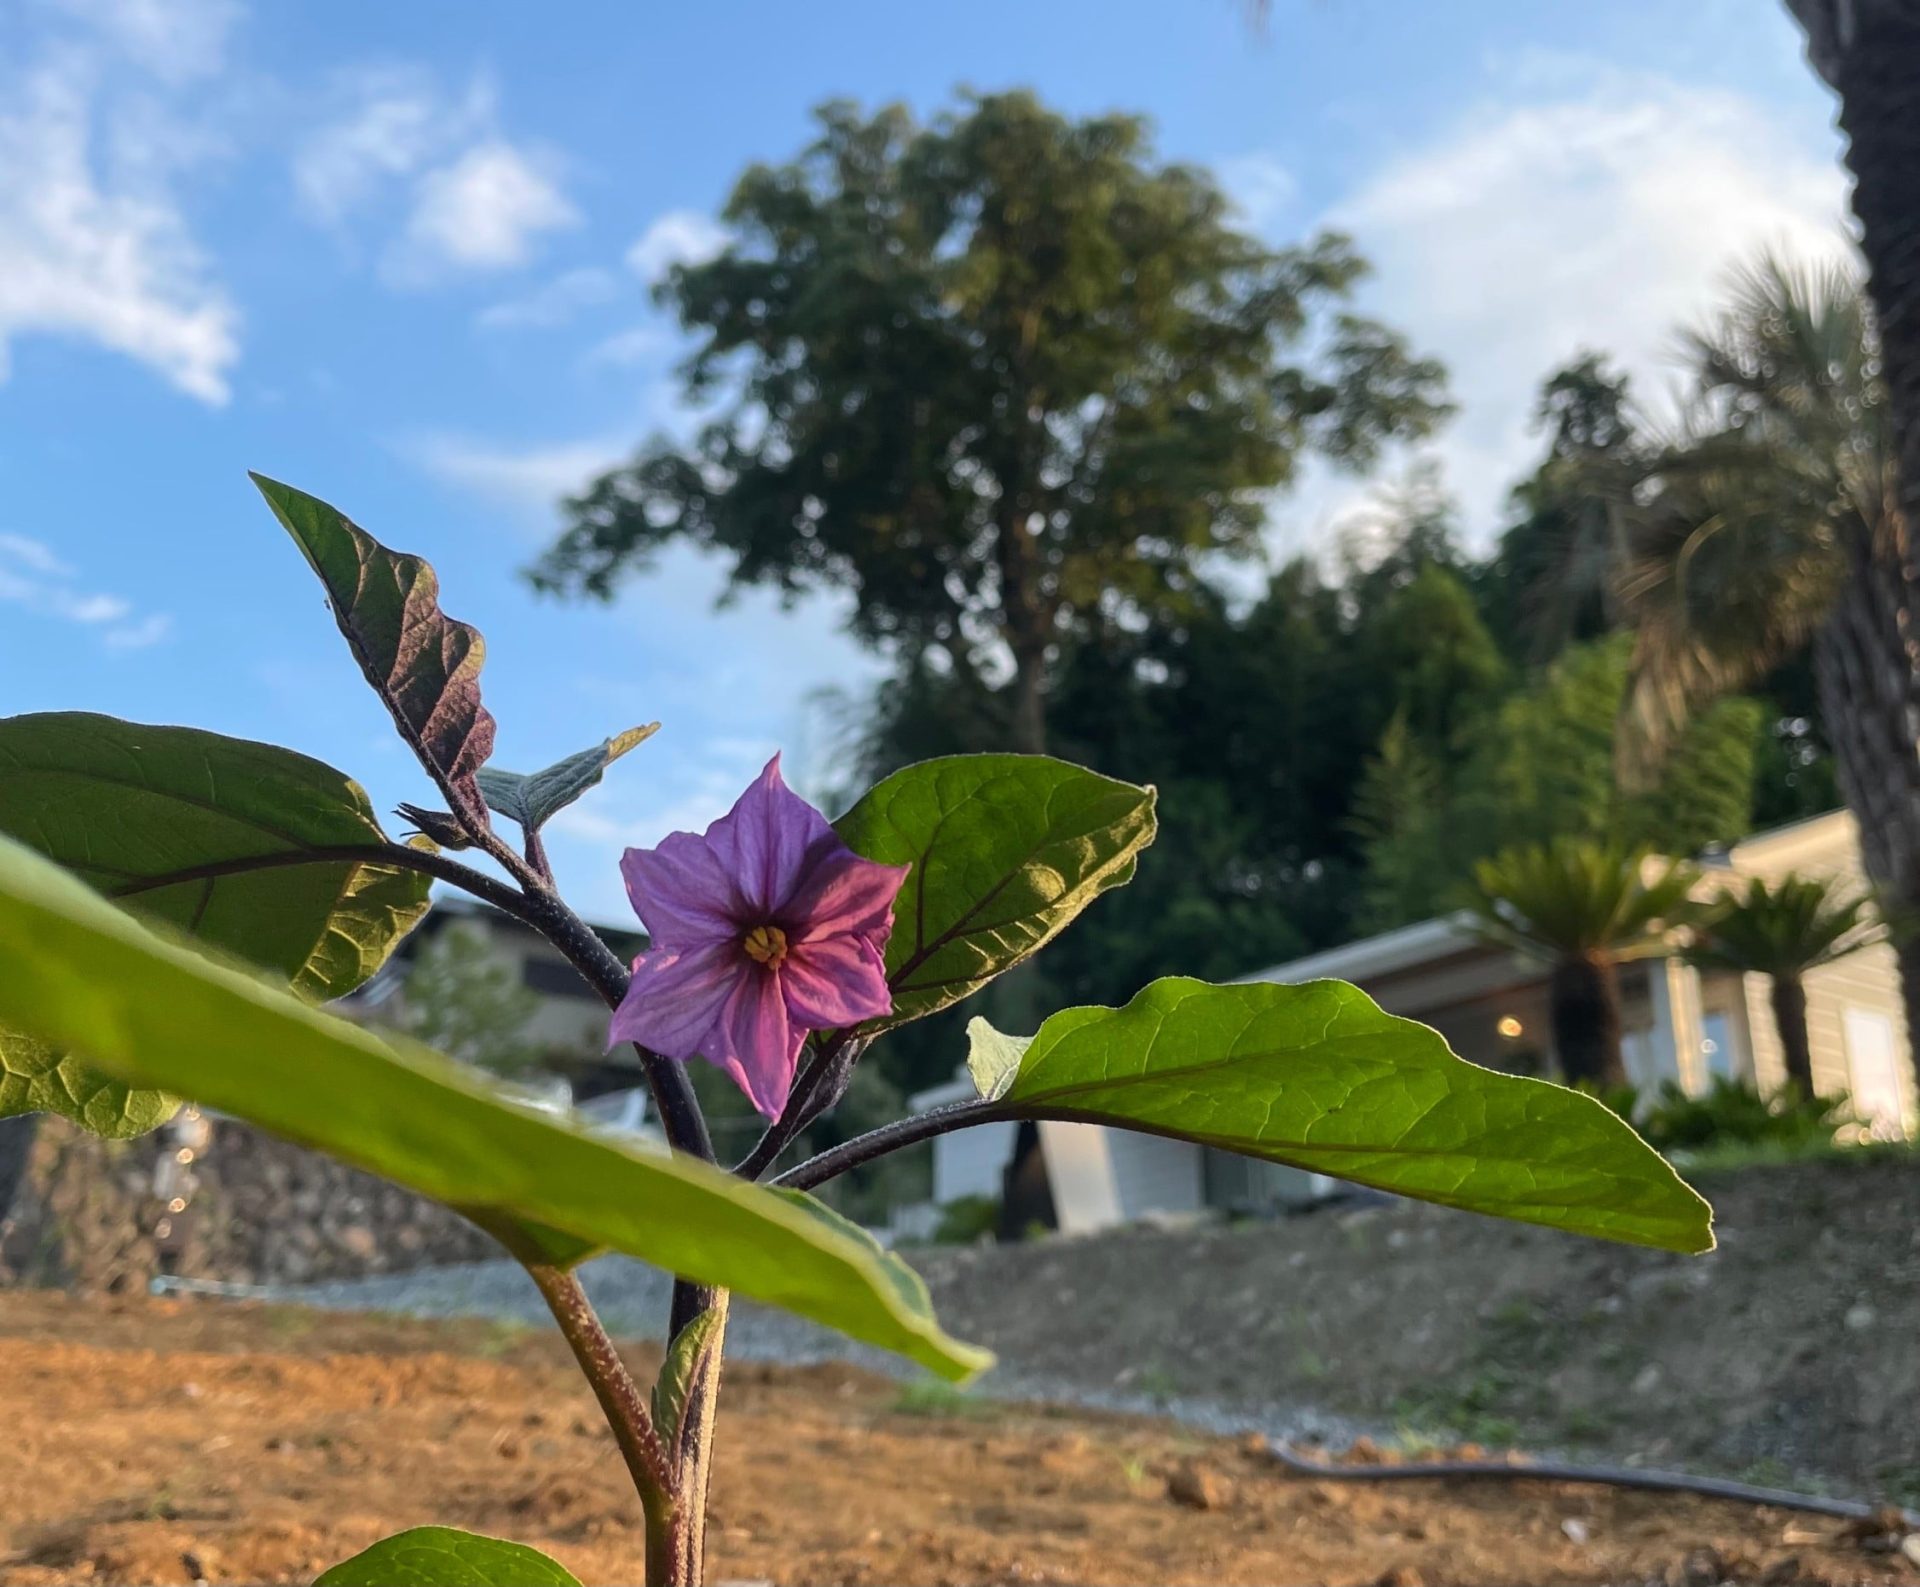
(763, 929)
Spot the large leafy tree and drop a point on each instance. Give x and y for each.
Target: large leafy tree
(1777, 522)
(1554, 572)
(1005, 378)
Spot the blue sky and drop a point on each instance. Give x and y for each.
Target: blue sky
(398, 256)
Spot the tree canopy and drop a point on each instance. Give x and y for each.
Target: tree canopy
(1006, 378)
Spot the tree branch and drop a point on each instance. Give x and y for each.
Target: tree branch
(862, 1149)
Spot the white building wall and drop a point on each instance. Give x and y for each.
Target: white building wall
(1080, 1172)
(1154, 1174)
(970, 1162)
(1862, 989)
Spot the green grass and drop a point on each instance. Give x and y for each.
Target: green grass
(1712, 1161)
(288, 1323)
(500, 1336)
(935, 1398)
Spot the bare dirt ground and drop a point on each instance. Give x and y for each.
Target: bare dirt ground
(171, 1441)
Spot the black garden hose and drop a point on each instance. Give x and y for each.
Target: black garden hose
(1596, 1476)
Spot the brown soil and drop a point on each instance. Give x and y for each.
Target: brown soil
(158, 1441)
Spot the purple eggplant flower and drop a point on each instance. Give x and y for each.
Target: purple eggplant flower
(764, 928)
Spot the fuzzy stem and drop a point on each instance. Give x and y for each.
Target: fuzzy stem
(807, 1103)
(537, 858)
(613, 1386)
(543, 909)
(861, 1149)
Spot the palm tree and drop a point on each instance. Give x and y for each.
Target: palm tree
(1782, 932)
(1583, 908)
(1869, 51)
(1773, 520)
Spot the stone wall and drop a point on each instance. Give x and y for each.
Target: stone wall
(210, 1199)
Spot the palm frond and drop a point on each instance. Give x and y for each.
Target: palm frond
(1572, 897)
(1788, 927)
(1781, 465)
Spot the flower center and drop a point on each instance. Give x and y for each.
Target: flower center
(766, 945)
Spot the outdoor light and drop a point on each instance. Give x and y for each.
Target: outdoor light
(1510, 1027)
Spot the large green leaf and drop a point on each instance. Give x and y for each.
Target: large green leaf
(534, 798)
(440, 1556)
(36, 1078)
(422, 664)
(1005, 850)
(261, 852)
(1317, 1076)
(79, 973)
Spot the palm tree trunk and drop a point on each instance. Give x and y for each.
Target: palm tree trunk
(1583, 994)
(1870, 703)
(1869, 50)
(1789, 999)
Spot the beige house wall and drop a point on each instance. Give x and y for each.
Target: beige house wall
(1868, 981)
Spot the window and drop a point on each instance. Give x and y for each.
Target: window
(552, 978)
(1873, 1071)
(1716, 1046)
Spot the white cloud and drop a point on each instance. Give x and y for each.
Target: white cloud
(553, 304)
(681, 236)
(33, 555)
(34, 579)
(1602, 215)
(639, 345)
(139, 635)
(469, 198)
(94, 244)
(388, 122)
(482, 212)
(527, 482)
(175, 40)
(1261, 187)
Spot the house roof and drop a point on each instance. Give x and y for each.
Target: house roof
(454, 907)
(1401, 949)
(1428, 941)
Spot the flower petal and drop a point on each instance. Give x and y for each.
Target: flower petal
(681, 891)
(757, 1043)
(766, 842)
(829, 982)
(676, 1001)
(844, 894)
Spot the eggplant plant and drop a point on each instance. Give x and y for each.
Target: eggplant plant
(176, 906)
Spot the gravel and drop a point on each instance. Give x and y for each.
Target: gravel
(633, 1300)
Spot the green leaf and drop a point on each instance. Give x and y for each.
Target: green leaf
(422, 664)
(440, 1556)
(908, 1287)
(993, 1058)
(535, 799)
(35, 1078)
(678, 1371)
(1317, 1076)
(76, 972)
(1005, 850)
(261, 852)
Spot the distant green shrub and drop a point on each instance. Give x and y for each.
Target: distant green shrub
(966, 1220)
(1731, 1113)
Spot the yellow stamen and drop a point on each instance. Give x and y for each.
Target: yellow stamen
(766, 945)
